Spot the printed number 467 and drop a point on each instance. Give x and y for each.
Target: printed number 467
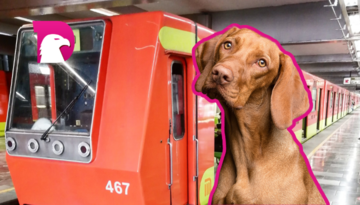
(117, 187)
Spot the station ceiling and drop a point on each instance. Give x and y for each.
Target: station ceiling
(315, 40)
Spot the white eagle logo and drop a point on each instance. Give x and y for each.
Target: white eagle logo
(50, 48)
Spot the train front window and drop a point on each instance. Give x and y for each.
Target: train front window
(44, 90)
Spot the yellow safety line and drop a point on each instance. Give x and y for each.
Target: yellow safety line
(318, 147)
(6, 190)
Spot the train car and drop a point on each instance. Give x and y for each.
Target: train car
(117, 123)
(330, 103)
(313, 120)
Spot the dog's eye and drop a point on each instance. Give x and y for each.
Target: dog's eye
(227, 45)
(262, 63)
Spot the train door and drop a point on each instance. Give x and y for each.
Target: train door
(304, 124)
(340, 106)
(318, 111)
(178, 133)
(346, 105)
(327, 107)
(334, 106)
(349, 103)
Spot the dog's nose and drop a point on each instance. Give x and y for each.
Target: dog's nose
(222, 75)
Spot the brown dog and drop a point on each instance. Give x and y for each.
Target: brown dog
(261, 93)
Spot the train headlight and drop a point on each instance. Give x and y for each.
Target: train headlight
(33, 145)
(57, 147)
(83, 149)
(10, 144)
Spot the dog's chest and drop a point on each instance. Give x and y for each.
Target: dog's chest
(271, 183)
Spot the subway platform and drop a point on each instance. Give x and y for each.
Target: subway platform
(7, 191)
(334, 155)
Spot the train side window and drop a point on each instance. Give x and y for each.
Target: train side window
(43, 100)
(40, 95)
(313, 96)
(177, 81)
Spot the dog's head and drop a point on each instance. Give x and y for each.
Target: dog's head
(239, 62)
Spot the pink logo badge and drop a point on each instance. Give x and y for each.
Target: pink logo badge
(55, 41)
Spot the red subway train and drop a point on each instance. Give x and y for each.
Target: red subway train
(330, 103)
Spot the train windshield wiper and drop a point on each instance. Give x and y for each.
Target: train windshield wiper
(44, 136)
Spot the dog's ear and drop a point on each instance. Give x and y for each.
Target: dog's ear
(289, 98)
(206, 56)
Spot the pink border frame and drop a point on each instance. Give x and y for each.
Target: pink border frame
(222, 110)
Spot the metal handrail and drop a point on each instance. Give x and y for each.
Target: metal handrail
(197, 158)
(171, 163)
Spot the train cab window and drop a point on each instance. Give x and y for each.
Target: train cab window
(313, 96)
(43, 91)
(177, 81)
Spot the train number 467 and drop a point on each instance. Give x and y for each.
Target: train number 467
(117, 187)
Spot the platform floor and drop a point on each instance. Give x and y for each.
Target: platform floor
(336, 162)
(7, 191)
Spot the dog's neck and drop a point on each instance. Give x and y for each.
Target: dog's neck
(248, 130)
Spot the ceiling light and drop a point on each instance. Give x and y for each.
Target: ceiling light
(351, 2)
(357, 45)
(355, 23)
(104, 12)
(5, 34)
(23, 19)
(357, 48)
